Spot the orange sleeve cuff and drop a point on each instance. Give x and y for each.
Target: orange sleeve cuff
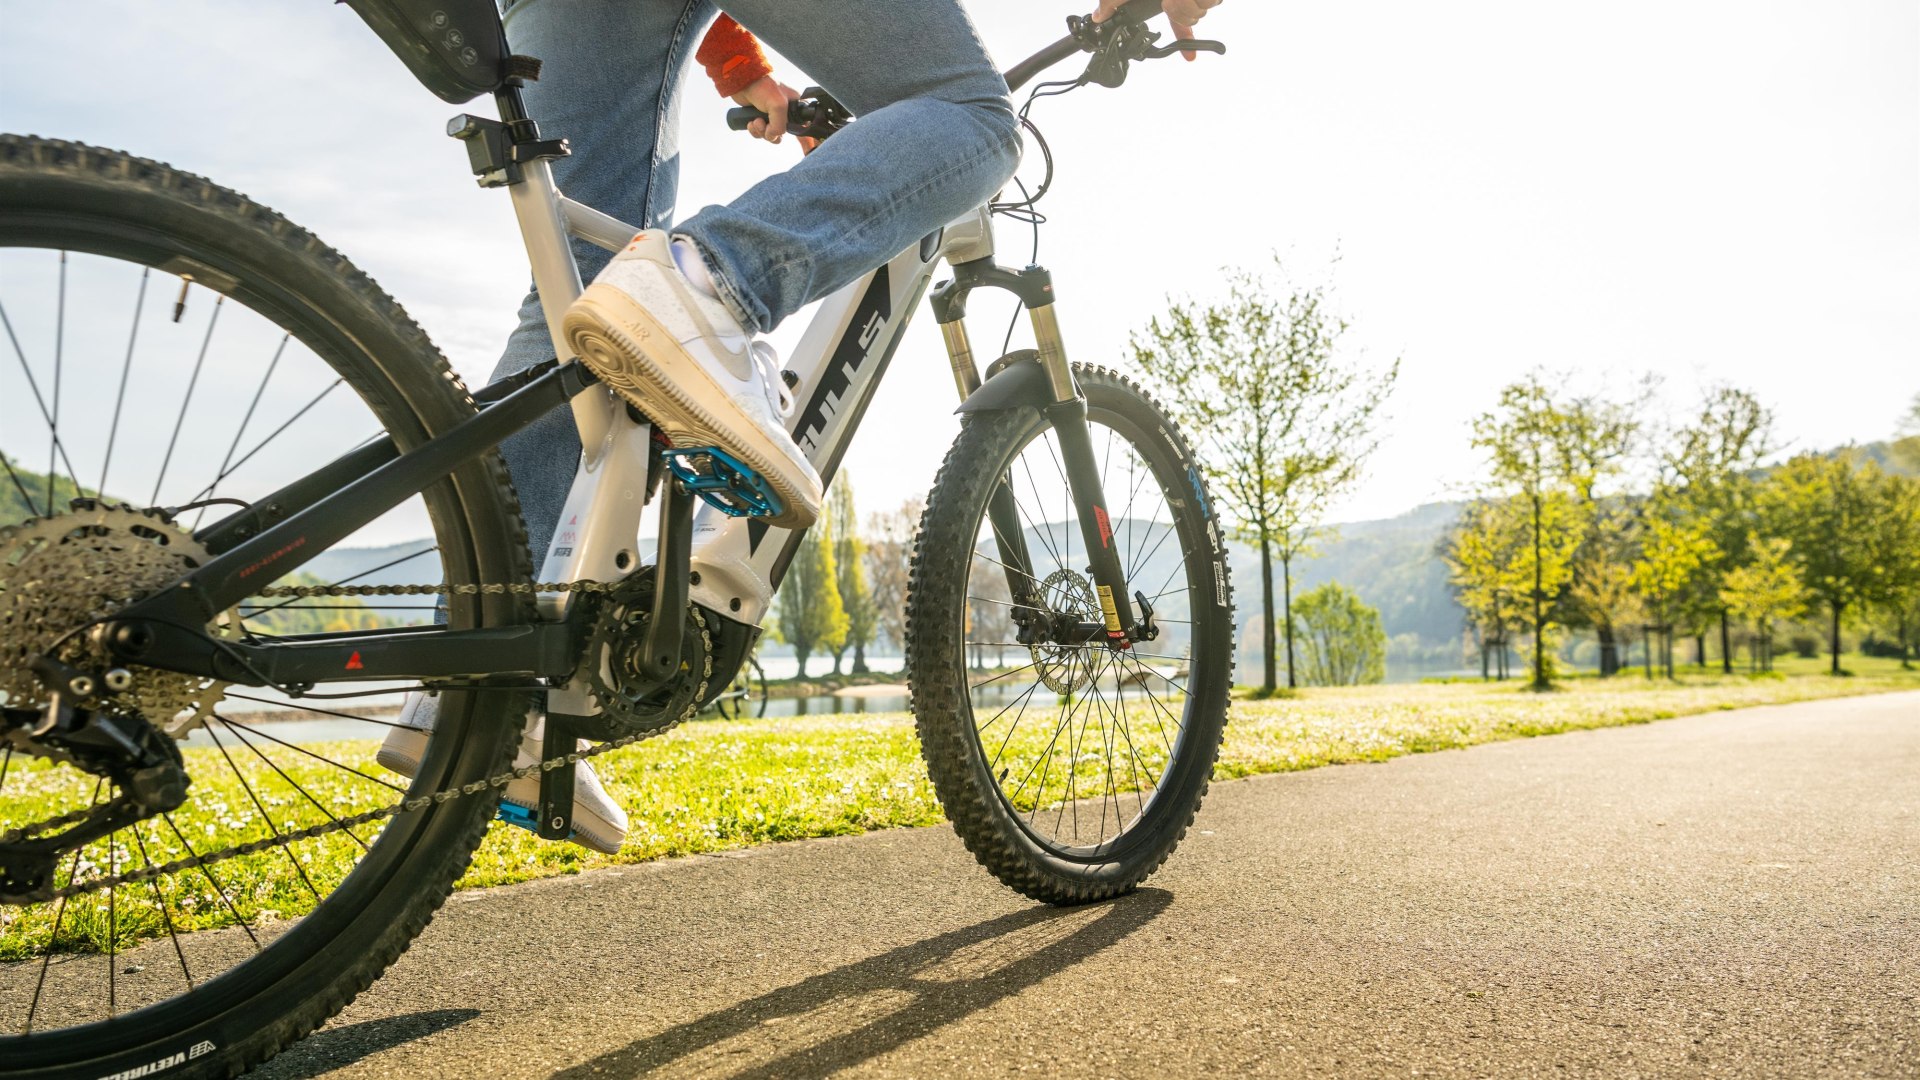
(732, 57)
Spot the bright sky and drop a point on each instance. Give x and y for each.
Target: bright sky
(1716, 191)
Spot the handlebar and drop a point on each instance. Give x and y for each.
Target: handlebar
(1115, 43)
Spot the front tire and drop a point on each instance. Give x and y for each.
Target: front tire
(1091, 798)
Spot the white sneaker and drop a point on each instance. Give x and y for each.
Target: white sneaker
(679, 356)
(598, 821)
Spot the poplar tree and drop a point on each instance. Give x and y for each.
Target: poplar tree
(811, 617)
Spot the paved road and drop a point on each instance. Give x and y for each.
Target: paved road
(1731, 895)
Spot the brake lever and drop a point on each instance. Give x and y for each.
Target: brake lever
(1188, 45)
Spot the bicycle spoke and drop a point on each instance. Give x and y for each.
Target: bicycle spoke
(32, 507)
(321, 712)
(193, 381)
(263, 443)
(234, 724)
(245, 419)
(126, 369)
(59, 370)
(160, 901)
(207, 872)
(261, 807)
(53, 939)
(239, 732)
(60, 448)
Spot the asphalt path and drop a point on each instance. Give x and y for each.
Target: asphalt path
(1728, 895)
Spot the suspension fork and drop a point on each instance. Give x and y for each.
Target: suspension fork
(1003, 514)
(1066, 409)
(1068, 414)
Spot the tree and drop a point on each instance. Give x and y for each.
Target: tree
(1671, 554)
(1710, 473)
(850, 575)
(1906, 446)
(810, 613)
(1482, 554)
(1829, 509)
(1284, 425)
(1526, 439)
(889, 564)
(1898, 546)
(1766, 589)
(1341, 638)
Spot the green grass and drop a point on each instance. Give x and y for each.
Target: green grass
(717, 785)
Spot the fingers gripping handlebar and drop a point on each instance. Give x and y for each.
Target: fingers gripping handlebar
(814, 114)
(1115, 44)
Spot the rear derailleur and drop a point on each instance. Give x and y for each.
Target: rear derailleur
(140, 762)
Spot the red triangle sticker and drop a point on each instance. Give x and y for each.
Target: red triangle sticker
(354, 664)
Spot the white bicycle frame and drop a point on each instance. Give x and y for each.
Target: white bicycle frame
(737, 562)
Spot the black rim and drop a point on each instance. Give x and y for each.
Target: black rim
(1081, 742)
(201, 396)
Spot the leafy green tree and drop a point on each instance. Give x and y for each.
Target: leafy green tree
(1671, 555)
(1482, 556)
(1525, 439)
(1284, 424)
(850, 575)
(1341, 639)
(811, 617)
(1898, 600)
(1711, 472)
(1829, 509)
(1906, 446)
(1764, 590)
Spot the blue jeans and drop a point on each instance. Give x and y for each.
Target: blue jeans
(936, 137)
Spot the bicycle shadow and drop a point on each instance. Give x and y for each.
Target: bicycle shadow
(337, 1047)
(843, 1017)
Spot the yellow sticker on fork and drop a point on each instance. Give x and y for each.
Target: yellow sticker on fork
(1112, 613)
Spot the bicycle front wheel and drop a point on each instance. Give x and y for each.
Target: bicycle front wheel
(1070, 770)
(176, 349)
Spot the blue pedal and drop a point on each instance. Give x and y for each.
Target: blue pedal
(724, 482)
(519, 817)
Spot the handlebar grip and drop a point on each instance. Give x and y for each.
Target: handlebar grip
(1139, 10)
(741, 118)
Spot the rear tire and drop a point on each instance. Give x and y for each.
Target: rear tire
(951, 589)
(71, 197)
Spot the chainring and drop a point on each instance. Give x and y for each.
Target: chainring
(627, 699)
(61, 574)
(1063, 668)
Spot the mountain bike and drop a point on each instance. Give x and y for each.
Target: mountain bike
(186, 890)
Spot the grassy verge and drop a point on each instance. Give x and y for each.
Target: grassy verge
(717, 785)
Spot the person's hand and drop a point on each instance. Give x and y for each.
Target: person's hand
(770, 96)
(1182, 14)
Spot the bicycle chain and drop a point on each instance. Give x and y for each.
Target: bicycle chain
(421, 802)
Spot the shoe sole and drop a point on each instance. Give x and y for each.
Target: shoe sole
(401, 753)
(635, 356)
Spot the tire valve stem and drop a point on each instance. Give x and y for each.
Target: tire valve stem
(180, 302)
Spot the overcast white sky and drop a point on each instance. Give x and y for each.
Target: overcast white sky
(1710, 189)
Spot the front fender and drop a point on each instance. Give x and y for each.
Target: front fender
(1013, 381)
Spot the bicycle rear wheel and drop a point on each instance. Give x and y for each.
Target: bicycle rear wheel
(1071, 771)
(174, 343)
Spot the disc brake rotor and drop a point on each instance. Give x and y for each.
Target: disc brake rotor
(61, 574)
(1064, 668)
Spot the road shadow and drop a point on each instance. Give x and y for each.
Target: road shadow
(854, 1013)
(338, 1047)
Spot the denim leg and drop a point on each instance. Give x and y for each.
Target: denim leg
(935, 138)
(614, 73)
